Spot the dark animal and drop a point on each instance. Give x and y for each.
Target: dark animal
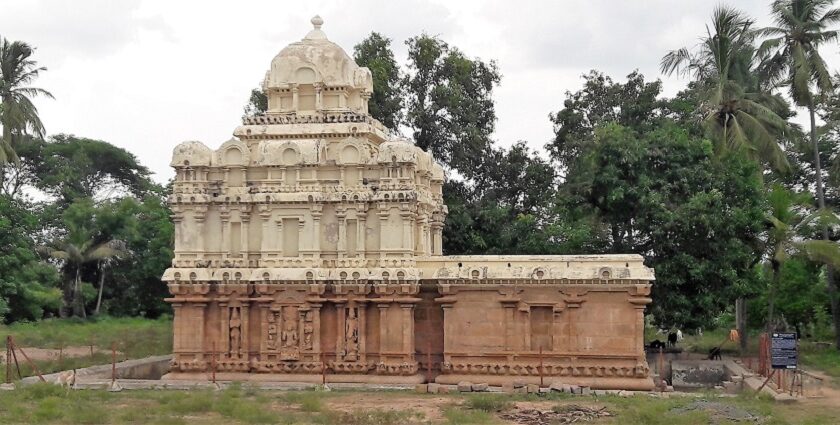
(714, 354)
(656, 344)
(672, 339)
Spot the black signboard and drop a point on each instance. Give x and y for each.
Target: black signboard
(783, 350)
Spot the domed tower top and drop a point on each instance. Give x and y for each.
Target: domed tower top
(316, 75)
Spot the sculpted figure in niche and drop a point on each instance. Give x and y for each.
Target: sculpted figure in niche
(290, 328)
(272, 330)
(235, 332)
(307, 330)
(351, 335)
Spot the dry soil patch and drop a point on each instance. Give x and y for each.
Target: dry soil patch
(40, 354)
(430, 407)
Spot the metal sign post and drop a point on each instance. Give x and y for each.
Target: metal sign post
(783, 352)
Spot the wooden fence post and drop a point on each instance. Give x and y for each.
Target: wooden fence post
(113, 363)
(8, 359)
(28, 360)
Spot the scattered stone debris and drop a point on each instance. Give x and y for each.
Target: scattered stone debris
(718, 411)
(562, 414)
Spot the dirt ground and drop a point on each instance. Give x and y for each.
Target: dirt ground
(46, 354)
(430, 407)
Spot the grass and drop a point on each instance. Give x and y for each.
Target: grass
(44, 403)
(826, 359)
(489, 402)
(133, 337)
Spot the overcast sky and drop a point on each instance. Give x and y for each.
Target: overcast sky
(147, 75)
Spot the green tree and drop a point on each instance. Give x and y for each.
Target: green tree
(790, 220)
(632, 104)
(386, 104)
(736, 114)
(18, 115)
(801, 28)
(70, 167)
(450, 105)
(257, 103)
(28, 288)
(90, 238)
(695, 219)
(137, 289)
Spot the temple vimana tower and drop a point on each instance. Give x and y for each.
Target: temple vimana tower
(313, 238)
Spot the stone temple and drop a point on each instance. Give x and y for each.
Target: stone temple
(313, 239)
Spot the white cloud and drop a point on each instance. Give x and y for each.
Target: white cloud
(148, 74)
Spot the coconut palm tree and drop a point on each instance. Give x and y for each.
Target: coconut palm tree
(78, 251)
(793, 60)
(791, 219)
(735, 113)
(18, 115)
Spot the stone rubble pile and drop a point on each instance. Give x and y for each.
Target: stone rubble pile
(560, 415)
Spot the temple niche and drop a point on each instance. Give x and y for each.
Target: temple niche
(312, 239)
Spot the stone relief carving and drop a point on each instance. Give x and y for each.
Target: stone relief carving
(308, 329)
(351, 335)
(235, 333)
(271, 338)
(289, 335)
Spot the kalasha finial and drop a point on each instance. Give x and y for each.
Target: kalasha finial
(317, 22)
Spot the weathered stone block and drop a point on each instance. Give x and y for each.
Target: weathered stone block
(480, 387)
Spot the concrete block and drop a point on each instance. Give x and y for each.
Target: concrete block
(433, 388)
(464, 386)
(507, 387)
(421, 388)
(532, 388)
(518, 384)
(480, 387)
(585, 391)
(520, 390)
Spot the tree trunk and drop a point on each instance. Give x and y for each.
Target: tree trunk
(771, 295)
(78, 299)
(741, 322)
(66, 296)
(101, 285)
(832, 285)
(7, 136)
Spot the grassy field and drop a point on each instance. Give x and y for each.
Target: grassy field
(133, 337)
(242, 405)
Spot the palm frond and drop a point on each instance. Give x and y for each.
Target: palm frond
(825, 252)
